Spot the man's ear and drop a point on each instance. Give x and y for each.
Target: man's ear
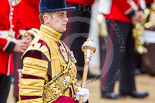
(46, 19)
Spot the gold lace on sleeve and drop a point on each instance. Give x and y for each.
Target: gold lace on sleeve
(33, 87)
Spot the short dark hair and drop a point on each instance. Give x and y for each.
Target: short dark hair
(41, 16)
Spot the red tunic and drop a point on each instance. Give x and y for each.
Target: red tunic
(6, 58)
(28, 15)
(120, 9)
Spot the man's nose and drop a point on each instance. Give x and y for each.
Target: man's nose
(66, 18)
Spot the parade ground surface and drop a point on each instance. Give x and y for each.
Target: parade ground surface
(143, 82)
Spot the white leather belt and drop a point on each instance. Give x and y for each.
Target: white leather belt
(5, 34)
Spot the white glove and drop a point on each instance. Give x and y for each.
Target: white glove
(82, 92)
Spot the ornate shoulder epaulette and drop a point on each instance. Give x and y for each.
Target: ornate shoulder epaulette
(34, 46)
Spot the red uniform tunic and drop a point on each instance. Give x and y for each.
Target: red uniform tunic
(120, 10)
(7, 23)
(28, 15)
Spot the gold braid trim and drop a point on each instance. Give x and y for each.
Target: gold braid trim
(49, 32)
(56, 58)
(31, 83)
(31, 92)
(31, 87)
(35, 67)
(38, 100)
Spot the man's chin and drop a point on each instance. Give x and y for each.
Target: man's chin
(63, 30)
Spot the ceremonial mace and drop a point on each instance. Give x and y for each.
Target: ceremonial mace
(88, 48)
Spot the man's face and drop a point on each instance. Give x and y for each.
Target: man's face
(57, 21)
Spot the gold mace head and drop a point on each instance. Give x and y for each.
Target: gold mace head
(88, 48)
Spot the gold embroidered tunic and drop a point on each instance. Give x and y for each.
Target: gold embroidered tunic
(48, 69)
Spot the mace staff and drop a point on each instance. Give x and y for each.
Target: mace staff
(88, 48)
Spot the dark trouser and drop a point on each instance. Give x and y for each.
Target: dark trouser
(4, 87)
(102, 50)
(120, 58)
(77, 31)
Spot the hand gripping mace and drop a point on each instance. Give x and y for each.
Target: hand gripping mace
(88, 48)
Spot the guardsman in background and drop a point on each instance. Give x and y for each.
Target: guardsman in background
(120, 54)
(49, 72)
(8, 44)
(77, 31)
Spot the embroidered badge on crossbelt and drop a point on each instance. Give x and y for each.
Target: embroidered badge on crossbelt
(71, 55)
